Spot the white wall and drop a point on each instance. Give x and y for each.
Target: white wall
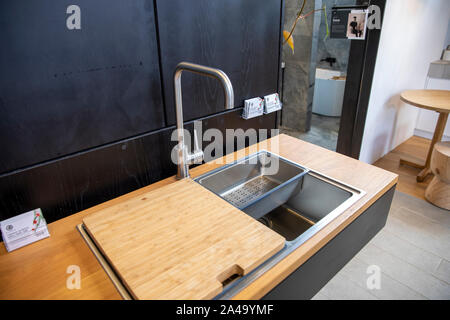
(447, 42)
(426, 120)
(413, 35)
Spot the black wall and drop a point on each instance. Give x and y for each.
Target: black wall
(63, 91)
(86, 115)
(239, 37)
(362, 59)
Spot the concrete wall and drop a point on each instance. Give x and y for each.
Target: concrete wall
(336, 48)
(413, 35)
(298, 80)
(300, 66)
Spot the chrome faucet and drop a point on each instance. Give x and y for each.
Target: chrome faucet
(184, 157)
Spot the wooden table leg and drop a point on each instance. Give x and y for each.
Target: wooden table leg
(438, 133)
(423, 174)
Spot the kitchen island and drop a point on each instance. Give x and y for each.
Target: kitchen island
(40, 270)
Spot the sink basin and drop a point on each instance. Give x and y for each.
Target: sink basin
(256, 184)
(313, 200)
(290, 199)
(287, 222)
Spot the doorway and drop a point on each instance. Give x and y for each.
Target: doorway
(326, 81)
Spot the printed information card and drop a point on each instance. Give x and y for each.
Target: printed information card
(23, 229)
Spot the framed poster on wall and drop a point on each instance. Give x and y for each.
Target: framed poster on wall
(349, 23)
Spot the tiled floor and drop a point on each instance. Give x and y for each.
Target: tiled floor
(324, 132)
(412, 252)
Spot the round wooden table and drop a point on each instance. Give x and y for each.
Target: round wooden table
(435, 100)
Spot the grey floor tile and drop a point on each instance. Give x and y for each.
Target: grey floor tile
(390, 289)
(424, 233)
(405, 273)
(443, 271)
(320, 296)
(412, 252)
(342, 288)
(422, 207)
(406, 251)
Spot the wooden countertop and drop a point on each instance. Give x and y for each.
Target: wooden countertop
(39, 270)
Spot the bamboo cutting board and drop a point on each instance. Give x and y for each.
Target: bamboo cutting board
(180, 241)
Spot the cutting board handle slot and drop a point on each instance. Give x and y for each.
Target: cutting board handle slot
(230, 275)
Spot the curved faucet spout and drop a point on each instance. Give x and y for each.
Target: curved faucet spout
(209, 72)
(184, 157)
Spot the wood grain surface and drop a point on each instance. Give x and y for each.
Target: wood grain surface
(414, 150)
(38, 271)
(435, 100)
(180, 241)
(438, 192)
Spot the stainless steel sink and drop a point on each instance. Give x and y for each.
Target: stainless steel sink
(287, 222)
(314, 199)
(288, 198)
(294, 201)
(256, 184)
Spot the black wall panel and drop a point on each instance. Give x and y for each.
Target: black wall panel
(62, 91)
(69, 185)
(241, 37)
(82, 117)
(363, 56)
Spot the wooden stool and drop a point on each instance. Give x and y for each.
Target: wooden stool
(438, 192)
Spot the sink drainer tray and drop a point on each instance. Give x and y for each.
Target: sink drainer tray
(256, 184)
(250, 191)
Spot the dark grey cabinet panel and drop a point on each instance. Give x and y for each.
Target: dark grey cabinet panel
(314, 274)
(62, 91)
(241, 37)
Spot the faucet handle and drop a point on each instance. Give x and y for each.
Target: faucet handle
(196, 146)
(197, 156)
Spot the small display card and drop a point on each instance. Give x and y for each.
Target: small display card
(272, 103)
(23, 229)
(253, 108)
